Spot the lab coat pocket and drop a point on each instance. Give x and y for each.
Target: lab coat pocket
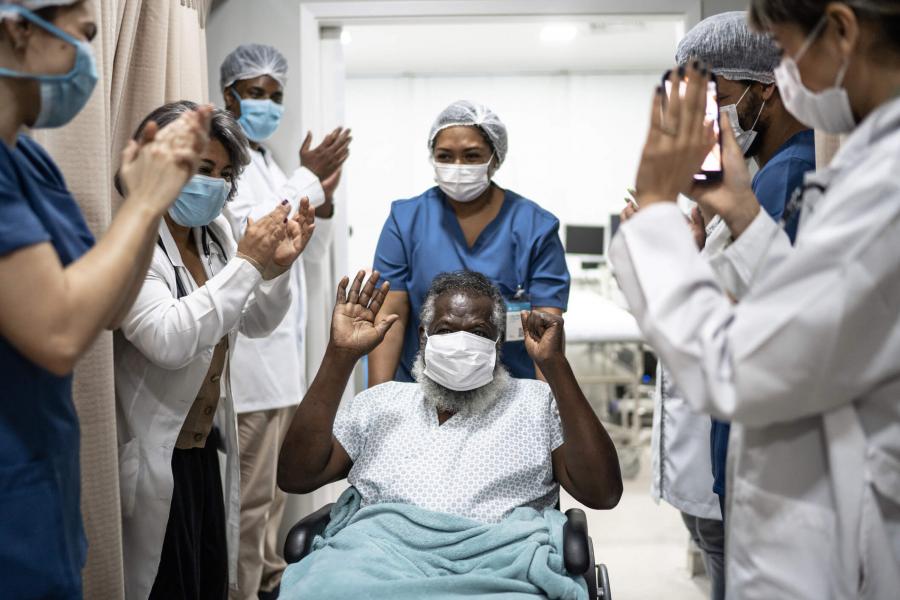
(779, 547)
(129, 467)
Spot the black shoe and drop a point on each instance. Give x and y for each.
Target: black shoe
(273, 595)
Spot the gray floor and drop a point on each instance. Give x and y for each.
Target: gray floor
(644, 545)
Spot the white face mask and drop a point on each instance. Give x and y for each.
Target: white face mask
(828, 110)
(463, 183)
(744, 137)
(460, 361)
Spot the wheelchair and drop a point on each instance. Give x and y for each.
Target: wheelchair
(578, 548)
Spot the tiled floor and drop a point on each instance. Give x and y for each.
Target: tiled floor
(643, 545)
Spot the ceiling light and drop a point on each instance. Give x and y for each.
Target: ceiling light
(558, 33)
(346, 38)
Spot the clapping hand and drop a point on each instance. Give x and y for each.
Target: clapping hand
(354, 331)
(327, 157)
(262, 238)
(545, 338)
(298, 231)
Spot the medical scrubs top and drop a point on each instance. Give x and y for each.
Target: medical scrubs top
(519, 249)
(42, 544)
(773, 185)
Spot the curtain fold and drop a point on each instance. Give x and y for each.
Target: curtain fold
(148, 52)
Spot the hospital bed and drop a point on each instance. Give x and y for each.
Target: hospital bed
(615, 356)
(578, 548)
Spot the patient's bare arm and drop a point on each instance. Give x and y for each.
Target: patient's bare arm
(310, 455)
(586, 465)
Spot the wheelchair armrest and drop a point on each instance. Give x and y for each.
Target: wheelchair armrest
(576, 545)
(300, 538)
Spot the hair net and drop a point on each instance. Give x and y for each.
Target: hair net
(463, 112)
(734, 51)
(253, 60)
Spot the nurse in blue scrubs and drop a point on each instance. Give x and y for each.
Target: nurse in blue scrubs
(58, 288)
(467, 222)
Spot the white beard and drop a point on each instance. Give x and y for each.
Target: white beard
(451, 401)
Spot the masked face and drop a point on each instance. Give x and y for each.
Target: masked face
(744, 137)
(62, 96)
(828, 110)
(463, 183)
(259, 118)
(201, 200)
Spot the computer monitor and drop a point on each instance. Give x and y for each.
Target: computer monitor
(585, 239)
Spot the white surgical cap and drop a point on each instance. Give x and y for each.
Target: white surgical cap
(463, 112)
(249, 61)
(731, 48)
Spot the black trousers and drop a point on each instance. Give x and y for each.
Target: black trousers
(194, 561)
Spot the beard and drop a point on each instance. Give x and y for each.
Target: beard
(451, 401)
(748, 120)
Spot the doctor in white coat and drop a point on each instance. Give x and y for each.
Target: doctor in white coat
(807, 363)
(173, 392)
(269, 374)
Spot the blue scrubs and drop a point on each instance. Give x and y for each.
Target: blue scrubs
(773, 185)
(42, 543)
(520, 248)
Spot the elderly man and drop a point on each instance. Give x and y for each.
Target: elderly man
(465, 439)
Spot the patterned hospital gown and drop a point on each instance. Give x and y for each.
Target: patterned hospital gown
(479, 466)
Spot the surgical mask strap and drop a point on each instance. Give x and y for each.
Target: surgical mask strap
(811, 38)
(49, 28)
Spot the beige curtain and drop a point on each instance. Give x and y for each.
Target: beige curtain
(148, 52)
(827, 146)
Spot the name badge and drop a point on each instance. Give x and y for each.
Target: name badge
(514, 330)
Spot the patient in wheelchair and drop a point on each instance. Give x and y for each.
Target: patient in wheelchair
(454, 477)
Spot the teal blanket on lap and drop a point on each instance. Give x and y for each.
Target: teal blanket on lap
(399, 551)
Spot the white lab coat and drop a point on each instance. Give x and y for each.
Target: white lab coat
(807, 366)
(679, 443)
(162, 354)
(270, 373)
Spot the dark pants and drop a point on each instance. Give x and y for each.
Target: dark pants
(709, 535)
(194, 561)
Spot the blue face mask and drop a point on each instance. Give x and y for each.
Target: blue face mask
(259, 118)
(62, 96)
(201, 200)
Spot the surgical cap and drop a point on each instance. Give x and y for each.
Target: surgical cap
(249, 61)
(731, 48)
(463, 112)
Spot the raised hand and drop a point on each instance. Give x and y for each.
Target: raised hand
(545, 338)
(262, 238)
(157, 166)
(732, 198)
(353, 328)
(298, 231)
(327, 157)
(678, 140)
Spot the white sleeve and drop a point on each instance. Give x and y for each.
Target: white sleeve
(813, 333)
(239, 208)
(317, 249)
(171, 332)
(761, 247)
(303, 182)
(267, 306)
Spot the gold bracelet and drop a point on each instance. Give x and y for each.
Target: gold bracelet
(253, 262)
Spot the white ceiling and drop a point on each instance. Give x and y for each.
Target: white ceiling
(606, 43)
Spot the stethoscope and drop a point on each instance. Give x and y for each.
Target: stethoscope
(205, 235)
(795, 204)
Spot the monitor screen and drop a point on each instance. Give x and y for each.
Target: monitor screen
(584, 239)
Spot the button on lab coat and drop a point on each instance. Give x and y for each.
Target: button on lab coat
(162, 354)
(807, 366)
(270, 373)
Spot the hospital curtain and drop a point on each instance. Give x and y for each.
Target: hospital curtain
(148, 52)
(827, 146)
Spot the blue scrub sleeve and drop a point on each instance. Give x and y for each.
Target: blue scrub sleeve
(391, 256)
(19, 226)
(549, 278)
(774, 190)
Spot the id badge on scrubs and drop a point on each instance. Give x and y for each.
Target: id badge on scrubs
(514, 308)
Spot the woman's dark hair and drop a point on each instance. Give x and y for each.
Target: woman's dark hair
(883, 14)
(223, 128)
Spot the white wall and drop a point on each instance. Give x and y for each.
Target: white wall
(575, 141)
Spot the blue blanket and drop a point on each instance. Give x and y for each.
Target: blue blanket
(399, 551)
